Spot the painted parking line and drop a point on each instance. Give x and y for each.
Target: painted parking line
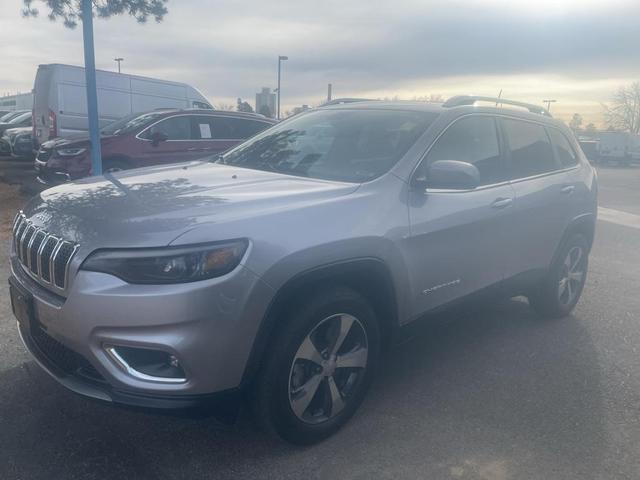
(619, 217)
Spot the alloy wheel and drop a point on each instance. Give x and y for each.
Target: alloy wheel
(327, 368)
(572, 276)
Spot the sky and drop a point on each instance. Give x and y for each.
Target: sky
(577, 52)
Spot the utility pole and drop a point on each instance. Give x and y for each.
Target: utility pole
(549, 102)
(119, 59)
(281, 58)
(92, 93)
(329, 92)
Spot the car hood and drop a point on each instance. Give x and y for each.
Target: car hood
(155, 205)
(75, 140)
(17, 131)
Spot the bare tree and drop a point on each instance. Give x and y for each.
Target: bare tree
(70, 11)
(226, 106)
(624, 111)
(576, 122)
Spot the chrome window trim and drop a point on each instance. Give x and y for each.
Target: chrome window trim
(201, 139)
(121, 362)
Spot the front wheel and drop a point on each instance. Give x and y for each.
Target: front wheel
(560, 291)
(318, 368)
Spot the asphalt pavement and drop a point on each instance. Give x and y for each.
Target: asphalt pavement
(490, 392)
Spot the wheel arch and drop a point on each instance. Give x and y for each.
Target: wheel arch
(585, 225)
(368, 276)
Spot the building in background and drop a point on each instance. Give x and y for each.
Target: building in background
(266, 102)
(20, 101)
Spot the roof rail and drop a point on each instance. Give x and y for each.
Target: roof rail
(340, 101)
(461, 100)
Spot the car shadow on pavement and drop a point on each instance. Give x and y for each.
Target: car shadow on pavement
(492, 392)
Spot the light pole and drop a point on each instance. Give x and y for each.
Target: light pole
(549, 102)
(92, 93)
(281, 58)
(119, 59)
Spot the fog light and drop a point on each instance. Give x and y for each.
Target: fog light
(148, 364)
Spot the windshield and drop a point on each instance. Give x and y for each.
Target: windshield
(8, 116)
(20, 118)
(346, 145)
(130, 123)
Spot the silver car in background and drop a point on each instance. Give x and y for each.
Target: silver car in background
(282, 269)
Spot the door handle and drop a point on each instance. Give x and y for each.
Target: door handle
(501, 202)
(568, 189)
(192, 149)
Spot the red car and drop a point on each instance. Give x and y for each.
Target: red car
(143, 139)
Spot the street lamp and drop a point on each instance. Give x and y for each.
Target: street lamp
(119, 59)
(549, 102)
(281, 58)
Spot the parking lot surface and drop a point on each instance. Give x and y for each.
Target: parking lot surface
(489, 391)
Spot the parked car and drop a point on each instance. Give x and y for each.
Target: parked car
(10, 115)
(60, 105)
(161, 136)
(17, 142)
(22, 120)
(283, 269)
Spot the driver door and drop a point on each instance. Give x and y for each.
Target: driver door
(459, 238)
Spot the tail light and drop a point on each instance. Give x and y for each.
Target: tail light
(53, 125)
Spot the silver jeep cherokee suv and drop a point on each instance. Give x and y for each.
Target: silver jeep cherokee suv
(281, 269)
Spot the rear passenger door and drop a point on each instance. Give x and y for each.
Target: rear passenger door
(541, 204)
(459, 237)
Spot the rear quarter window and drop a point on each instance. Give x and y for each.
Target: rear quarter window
(565, 153)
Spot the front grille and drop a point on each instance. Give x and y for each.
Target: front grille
(62, 357)
(45, 256)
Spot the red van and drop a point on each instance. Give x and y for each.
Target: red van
(143, 139)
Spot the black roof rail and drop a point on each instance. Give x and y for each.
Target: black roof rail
(340, 101)
(461, 100)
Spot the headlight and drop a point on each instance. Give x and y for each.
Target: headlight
(70, 152)
(169, 265)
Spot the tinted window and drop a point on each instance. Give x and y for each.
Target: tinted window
(226, 128)
(564, 152)
(474, 140)
(343, 144)
(176, 128)
(531, 152)
(245, 128)
(129, 123)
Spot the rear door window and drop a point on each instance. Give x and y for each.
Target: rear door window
(565, 154)
(530, 149)
(473, 140)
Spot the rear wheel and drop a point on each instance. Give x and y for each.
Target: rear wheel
(318, 368)
(560, 291)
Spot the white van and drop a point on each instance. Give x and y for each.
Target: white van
(60, 99)
(621, 147)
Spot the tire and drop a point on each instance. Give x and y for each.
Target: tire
(559, 292)
(112, 165)
(289, 380)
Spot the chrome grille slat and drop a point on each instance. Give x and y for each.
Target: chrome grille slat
(43, 256)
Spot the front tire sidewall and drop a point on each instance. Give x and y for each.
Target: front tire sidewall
(302, 321)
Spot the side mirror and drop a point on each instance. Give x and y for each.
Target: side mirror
(157, 137)
(450, 175)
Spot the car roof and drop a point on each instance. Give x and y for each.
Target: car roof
(209, 111)
(439, 108)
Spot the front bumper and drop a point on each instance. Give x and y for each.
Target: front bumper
(210, 326)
